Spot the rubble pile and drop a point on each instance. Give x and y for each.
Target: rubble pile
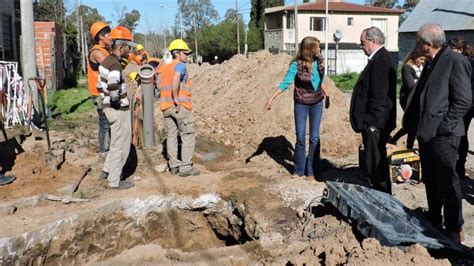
(229, 101)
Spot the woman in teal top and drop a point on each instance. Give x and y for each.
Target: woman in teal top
(305, 72)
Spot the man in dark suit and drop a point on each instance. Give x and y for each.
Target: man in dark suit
(435, 113)
(373, 109)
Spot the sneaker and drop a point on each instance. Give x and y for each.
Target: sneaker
(193, 172)
(174, 170)
(103, 175)
(124, 184)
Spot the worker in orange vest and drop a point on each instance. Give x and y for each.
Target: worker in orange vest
(176, 105)
(99, 51)
(117, 107)
(142, 56)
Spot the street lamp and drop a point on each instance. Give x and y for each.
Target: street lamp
(179, 17)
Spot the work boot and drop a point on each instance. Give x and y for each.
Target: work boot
(192, 172)
(174, 170)
(103, 175)
(6, 179)
(124, 184)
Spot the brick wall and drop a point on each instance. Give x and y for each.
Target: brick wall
(49, 57)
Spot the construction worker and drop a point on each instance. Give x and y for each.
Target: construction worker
(117, 107)
(142, 56)
(100, 50)
(175, 103)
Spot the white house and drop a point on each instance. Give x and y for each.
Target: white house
(349, 18)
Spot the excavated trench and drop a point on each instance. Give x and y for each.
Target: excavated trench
(172, 222)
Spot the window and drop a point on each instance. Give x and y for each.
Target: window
(316, 24)
(290, 21)
(380, 23)
(350, 21)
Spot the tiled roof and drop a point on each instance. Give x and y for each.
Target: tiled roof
(344, 7)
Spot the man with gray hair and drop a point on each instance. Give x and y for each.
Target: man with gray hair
(373, 109)
(435, 113)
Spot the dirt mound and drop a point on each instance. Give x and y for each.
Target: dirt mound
(229, 104)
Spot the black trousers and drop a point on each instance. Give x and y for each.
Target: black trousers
(464, 146)
(376, 163)
(443, 188)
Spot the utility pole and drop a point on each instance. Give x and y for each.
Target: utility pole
(237, 19)
(246, 47)
(195, 39)
(296, 26)
(326, 39)
(28, 46)
(83, 53)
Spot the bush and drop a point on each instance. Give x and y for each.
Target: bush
(70, 103)
(345, 82)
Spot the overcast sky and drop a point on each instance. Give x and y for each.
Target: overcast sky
(155, 18)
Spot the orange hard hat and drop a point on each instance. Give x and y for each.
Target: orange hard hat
(121, 33)
(98, 27)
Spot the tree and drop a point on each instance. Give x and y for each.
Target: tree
(257, 15)
(254, 38)
(220, 40)
(382, 3)
(197, 13)
(89, 16)
(410, 3)
(130, 20)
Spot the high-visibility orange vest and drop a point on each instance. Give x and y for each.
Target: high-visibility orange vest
(93, 70)
(166, 94)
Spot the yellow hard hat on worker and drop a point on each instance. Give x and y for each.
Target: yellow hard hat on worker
(139, 47)
(180, 45)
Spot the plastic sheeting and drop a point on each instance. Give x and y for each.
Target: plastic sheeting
(381, 216)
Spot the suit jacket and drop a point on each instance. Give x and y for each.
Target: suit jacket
(409, 78)
(442, 97)
(374, 96)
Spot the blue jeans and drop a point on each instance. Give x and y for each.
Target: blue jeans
(315, 113)
(104, 127)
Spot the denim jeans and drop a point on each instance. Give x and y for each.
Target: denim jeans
(104, 127)
(301, 163)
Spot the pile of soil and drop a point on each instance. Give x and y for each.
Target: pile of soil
(229, 101)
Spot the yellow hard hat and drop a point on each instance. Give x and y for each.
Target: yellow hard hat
(178, 44)
(139, 47)
(133, 75)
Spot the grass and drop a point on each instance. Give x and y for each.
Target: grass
(71, 103)
(346, 82)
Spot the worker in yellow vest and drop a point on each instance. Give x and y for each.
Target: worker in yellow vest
(99, 51)
(176, 105)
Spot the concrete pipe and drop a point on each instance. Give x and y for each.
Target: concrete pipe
(147, 72)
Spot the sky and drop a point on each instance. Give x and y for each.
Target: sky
(154, 18)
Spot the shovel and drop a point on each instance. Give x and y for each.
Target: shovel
(40, 84)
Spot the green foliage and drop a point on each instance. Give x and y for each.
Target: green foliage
(49, 10)
(130, 20)
(220, 40)
(196, 14)
(89, 16)
(71, 103)
(382, 3)
(346, 82)
(254, 38)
